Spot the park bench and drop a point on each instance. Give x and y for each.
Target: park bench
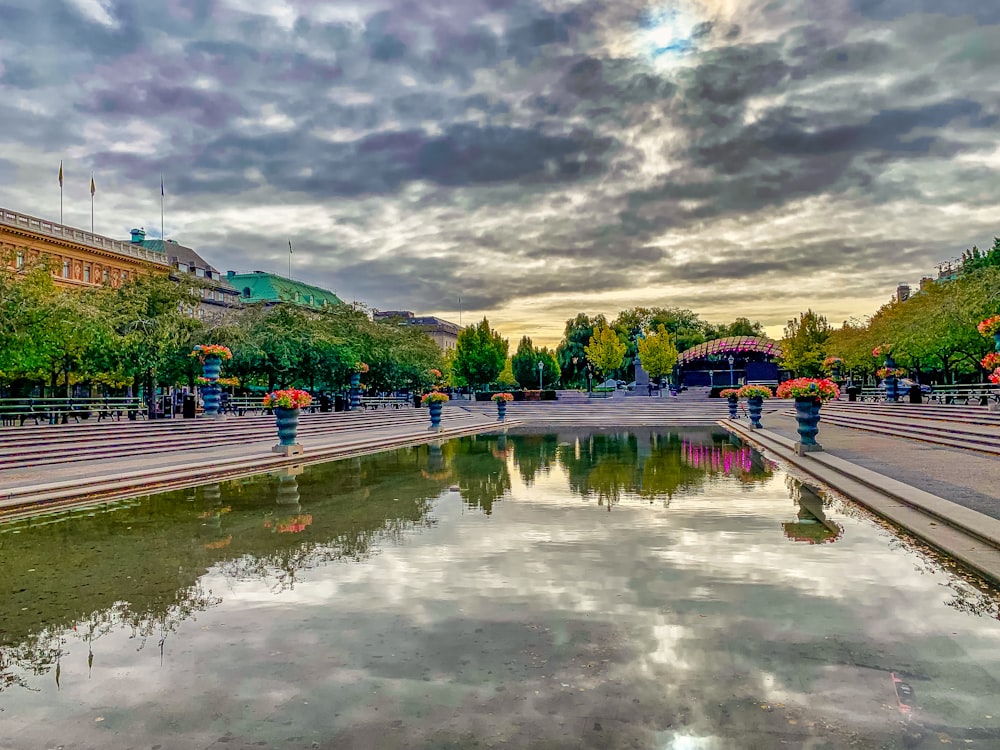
(385, 402)
(17, 412)
(113, 409)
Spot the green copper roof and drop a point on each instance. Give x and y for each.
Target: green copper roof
(268, 287)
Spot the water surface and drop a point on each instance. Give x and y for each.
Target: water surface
(642, 589)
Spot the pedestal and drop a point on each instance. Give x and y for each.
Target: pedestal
(288, 450)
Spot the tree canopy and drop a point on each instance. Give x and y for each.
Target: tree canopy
(480, 354)
(606, 350)
(657, 352)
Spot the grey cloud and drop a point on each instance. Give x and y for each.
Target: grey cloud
(889, 10)
(464, 155)
(885, 131)
(210, 109)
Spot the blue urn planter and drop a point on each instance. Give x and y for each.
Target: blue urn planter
(891, 382)
(807, 416)
(501, 410)
(434, 407)
(355, 391)
(288, 429)
(210, 370)
(733, 400)
(755, 406)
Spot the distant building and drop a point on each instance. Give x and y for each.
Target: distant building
(216, 291)
(271, 289)
(76, 258)
(444, 333)
(902, 292)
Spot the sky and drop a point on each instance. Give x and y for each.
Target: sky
(523, 160)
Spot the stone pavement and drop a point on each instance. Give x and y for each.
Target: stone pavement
(969, 478)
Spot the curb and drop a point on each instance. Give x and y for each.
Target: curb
(969, 536)
(30, 500)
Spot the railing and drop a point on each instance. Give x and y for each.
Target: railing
(981, 394)
(60, 231)
(385, 402)
(17, 411)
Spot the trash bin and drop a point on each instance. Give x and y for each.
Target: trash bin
(189, 407)
(338, 403)
(324, 402)
(416, 400)
(915, 397)
(853, 392)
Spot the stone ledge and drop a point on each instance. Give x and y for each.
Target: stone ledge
(969, 536)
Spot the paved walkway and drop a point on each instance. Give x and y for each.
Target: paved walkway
(966, 477)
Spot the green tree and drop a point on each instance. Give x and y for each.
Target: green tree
(571, 352)
(804, 346)
(606, 350)
(151, 321)
(524, 364)
(975, 259)
(506, 377)
(739, 327)
(480, 354)
(684, 325)
(550, 367)
(658, 353)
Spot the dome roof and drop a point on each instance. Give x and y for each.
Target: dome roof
(729, 345)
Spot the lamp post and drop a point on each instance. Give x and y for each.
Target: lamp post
(731, 381)
(590, 377)
(540, 366)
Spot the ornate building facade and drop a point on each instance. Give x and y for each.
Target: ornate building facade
(444, 332)
(76, 259)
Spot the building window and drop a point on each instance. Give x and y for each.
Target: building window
(65, 273)
(199, 272)
(246, 292)
(104, 276)
(86, 272)
(182, 267)
(20, 259)
(124, 276)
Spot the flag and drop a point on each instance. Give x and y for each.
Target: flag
(161, 186)
(60, 173)
(289, 247)
(93, 187)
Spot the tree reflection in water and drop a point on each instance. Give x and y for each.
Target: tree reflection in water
(136, 566)
(653, 465)
(480, 467)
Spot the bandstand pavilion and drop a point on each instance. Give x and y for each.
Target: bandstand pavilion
(733, 360)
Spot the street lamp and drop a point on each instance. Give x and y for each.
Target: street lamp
(731, 360)
(540, 366)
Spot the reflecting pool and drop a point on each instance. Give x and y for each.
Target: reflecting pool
(644, 589)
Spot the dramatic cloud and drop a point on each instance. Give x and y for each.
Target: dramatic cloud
(536, 159)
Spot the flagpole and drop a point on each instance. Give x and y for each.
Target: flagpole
(162, 237)
(60, 192)
(289, 259)
(93, 190)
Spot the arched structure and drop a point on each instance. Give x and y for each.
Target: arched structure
(708, 363)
